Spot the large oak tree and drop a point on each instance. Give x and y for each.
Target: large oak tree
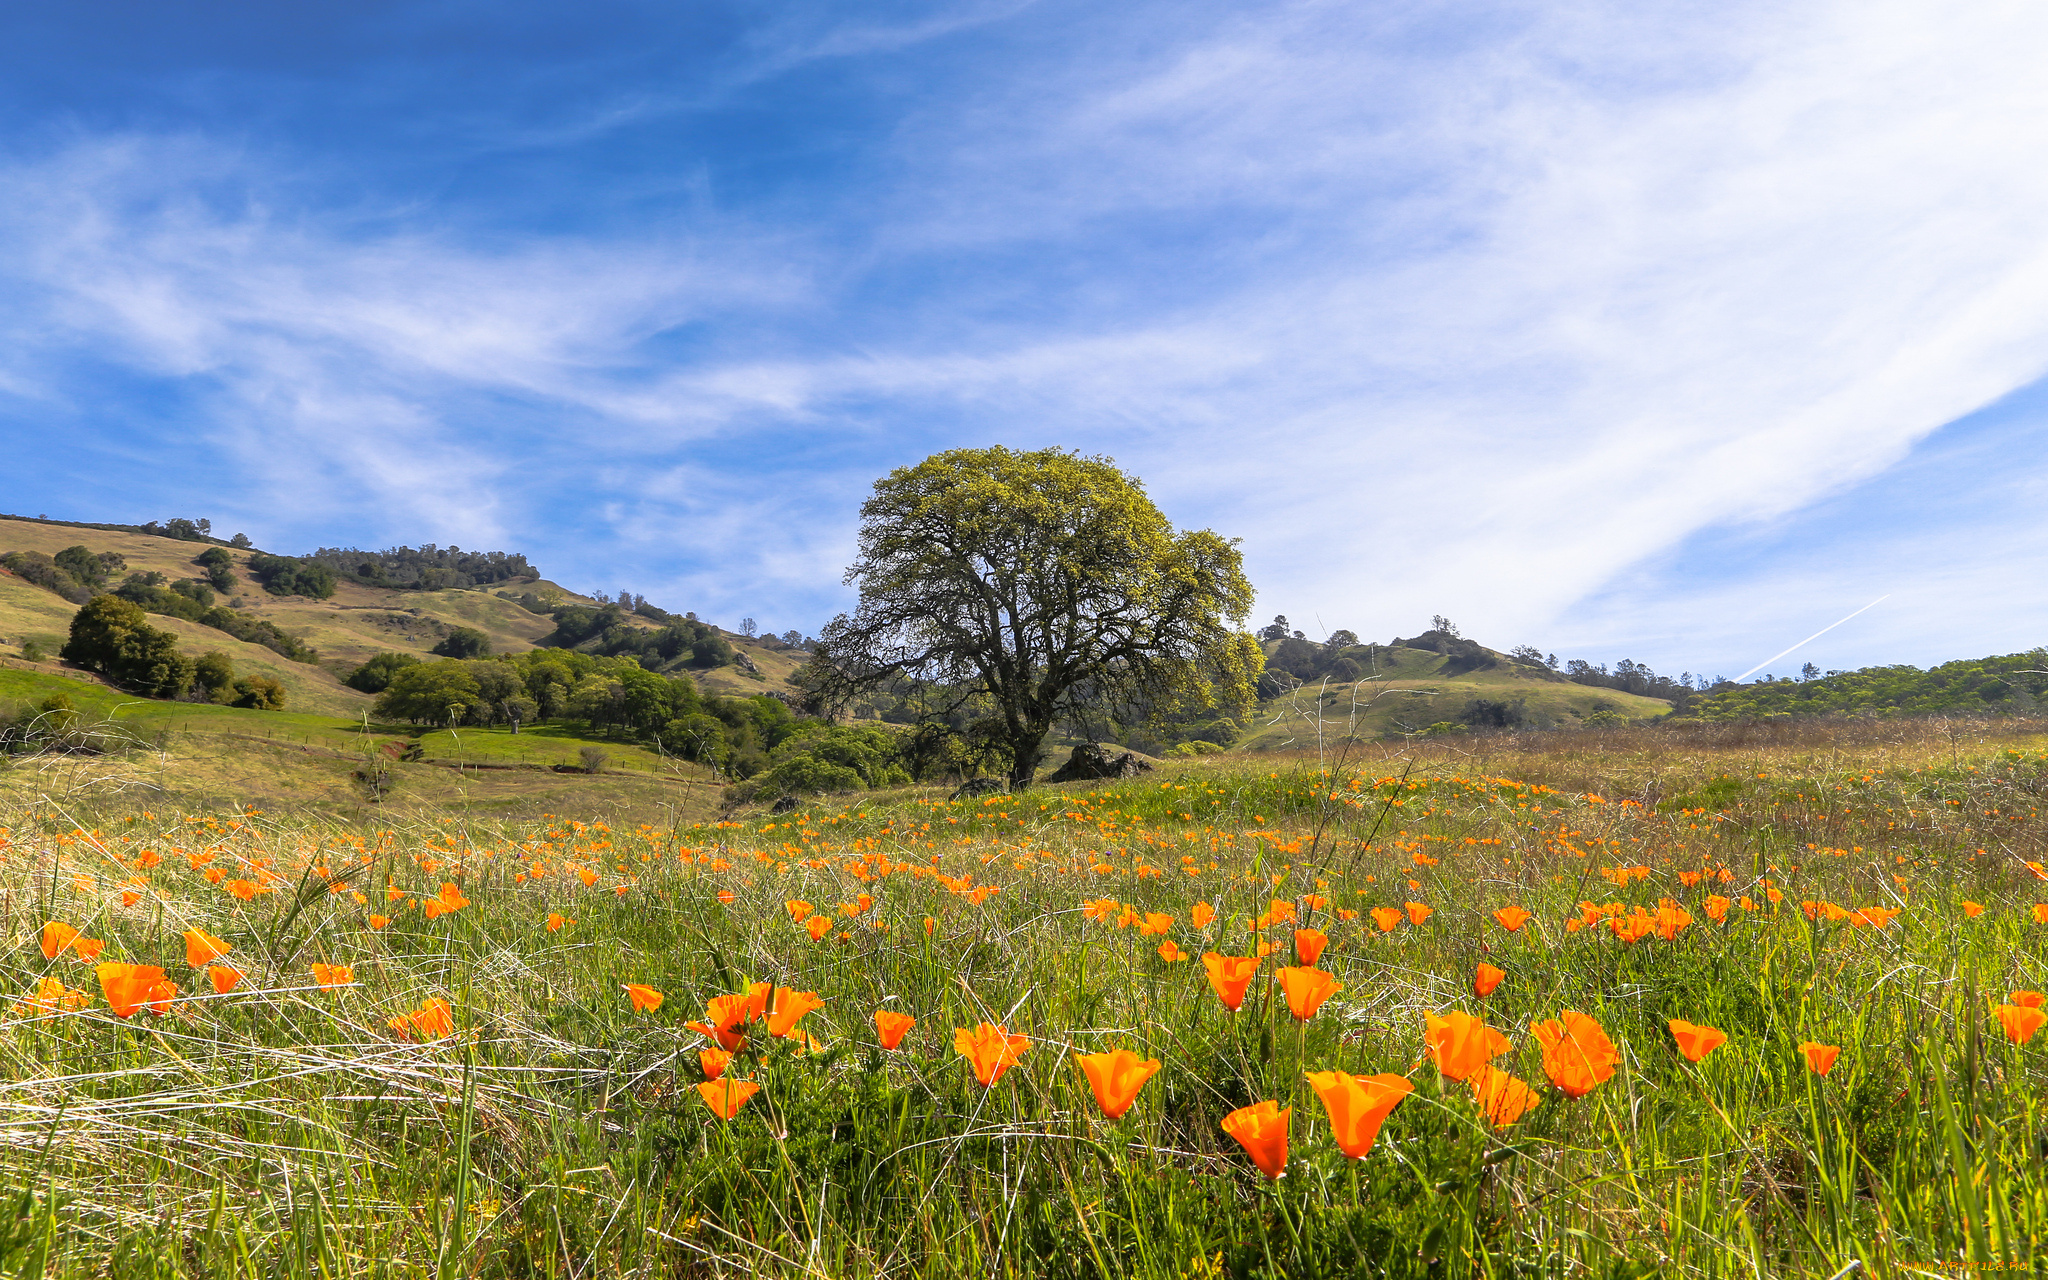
(1046, 582)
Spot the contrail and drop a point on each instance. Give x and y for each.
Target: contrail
(1809, 640)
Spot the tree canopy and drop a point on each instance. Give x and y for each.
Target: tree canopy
(1045, 582)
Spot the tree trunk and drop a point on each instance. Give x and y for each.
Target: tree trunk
(1024, 757)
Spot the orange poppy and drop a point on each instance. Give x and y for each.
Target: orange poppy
(930, 926)
(1230, 975)
(1170, 952)
(1512, 919)
(201, 947)
(1717, 908)
(2026, 999)
(333, 975)
(1202, 914)
(1505, 1098)
(243, 889)
(818, 927)
(1309, 944)
(1306, 990)
(2041, 913)
(88, 949)
(790, 1007)
(726, 1097)
(991, 1050)
(223, 978)
(1820, 1058)
(1461, 1043)
(1486, 979)
(1261, 1129)
(56, 937)
(1417, 913)
(645, 998)
(725, 896)
(714, 1062)
(160, 995)
(728, 1014)
(798, 909)
(2020, 1022)
(1696, 1041)
(1577, 1055)
(1157, 924)
(1358, 1106)
(129, 897)
(892, 1027)
(378, 922)
(128, 987)
(1116, 1077)
(1972, 909)
(1386, 918)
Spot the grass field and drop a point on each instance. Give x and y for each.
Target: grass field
(1738, 877)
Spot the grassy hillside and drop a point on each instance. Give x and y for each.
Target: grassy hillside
(347, 629)
(1407, 691)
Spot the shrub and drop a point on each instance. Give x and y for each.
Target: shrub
(214, 674)
(286, 576)
(259, 693)
(464, 642)
(31, 651)
(594, 759)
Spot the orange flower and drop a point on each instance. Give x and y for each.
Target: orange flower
(1717, 908)
(1972, 909)
(1505, 1098)
(645, 998)
(1309, 944)
(726, 1097)
(451, 898)
(201, 947)
(223, 978)
(1417, 913)
(1512, 919)
(2041, 913)
(1306, 990)
(725, 896)
(798, 909)
(1386, 918)
(1156, 923)
(88, 949)
(991, 1050)
(2026, 999)
(56, 937)
(714, 1062)
(378, 922)
(1261, 1129)
(129, 897)
(818, 927)
(160, 995)
(1696, 1041)
(430, 1021)
(1358, 1106)
(1461, 1043)
(243, 889)
(1202, 914)
(892, 1027)
(1170, 952)
(2020, 1022)
(128, 987)
(727, 1014)
(930, 926)
(790, 1007)
(1116, 1077)
(1820, 1058)
(1230, 975)
(1486, 979)
(333, 975)
(1577, 1055)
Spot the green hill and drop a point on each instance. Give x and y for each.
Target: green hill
(2011, 683)
(1435, 684)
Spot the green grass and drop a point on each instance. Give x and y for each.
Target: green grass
(286, 1131)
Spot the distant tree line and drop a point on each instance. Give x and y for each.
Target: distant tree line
(293, 576)
(423, 568)
(178, 527)
(78, 575)
(603, 630)
(2011, 684)
(112, 636)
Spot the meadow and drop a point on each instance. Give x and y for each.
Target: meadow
(453, 1046)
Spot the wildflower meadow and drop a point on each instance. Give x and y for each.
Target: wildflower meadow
(1689, 1001)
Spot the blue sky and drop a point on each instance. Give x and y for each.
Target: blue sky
(1668, 332)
